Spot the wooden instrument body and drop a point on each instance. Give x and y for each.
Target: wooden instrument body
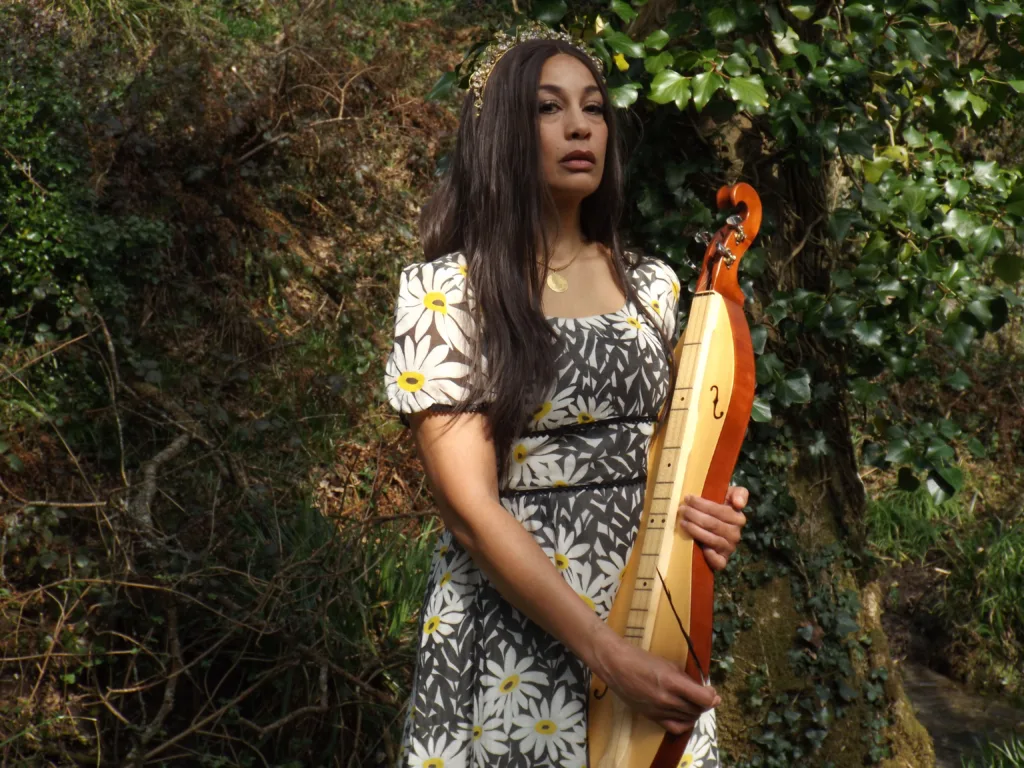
(667, 575)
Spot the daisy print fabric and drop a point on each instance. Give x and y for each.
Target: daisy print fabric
(491, 689)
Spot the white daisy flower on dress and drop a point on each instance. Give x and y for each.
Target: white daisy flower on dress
(438, 753)
(433, 293)
(612, 565)
(700, 749)
(565, 551)
(588, 409)
(568, 473)
(511, 685)
(488, 737)
(523, 510)
(533, 459)
(550, 726)
(419, 375)
(440, 619)
(457, 581)
(574, 756)
(588, 586)
(554, 410)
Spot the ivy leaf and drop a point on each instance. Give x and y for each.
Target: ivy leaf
(1008, 267)
(957, 100)
(550, 11)
(796, 386)
(624, 44)
(959, 223)
(656, 40)
(786, 41)
(986, 238)
(978, 104)
(624, 95)
(979, 309)
(959, 336)
(868, 333)
(721, 20)
(668, 85)
(855, 143)
(802, 12)
(704, 86)
(761, 411)
(1017, 85)
(736, 65)
(748, 91)
(654, 64)
(958, 380)
(956, 190)
(623, 10)
(899, 451)
(987, 174)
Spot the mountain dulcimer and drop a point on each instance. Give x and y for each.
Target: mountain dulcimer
(665, 602)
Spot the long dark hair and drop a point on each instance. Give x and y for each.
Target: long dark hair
(491, 206)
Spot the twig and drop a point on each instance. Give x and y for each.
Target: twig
(24, 169)
(139, 507)
(49, 352)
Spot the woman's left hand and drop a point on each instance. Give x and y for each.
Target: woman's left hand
(716, 526)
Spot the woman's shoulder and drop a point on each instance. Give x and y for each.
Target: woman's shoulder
(450, 266)
(652, 272)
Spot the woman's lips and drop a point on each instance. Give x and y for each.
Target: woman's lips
(578, 164)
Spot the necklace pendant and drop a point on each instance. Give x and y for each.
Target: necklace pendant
(557, 283)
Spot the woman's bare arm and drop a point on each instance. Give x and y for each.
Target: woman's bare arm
(459, 460)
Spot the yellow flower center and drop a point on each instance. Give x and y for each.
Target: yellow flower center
(545, 726)
(561, 561)
(543, 411)
(633, 322)
(411, 381)
(477, 732)
(686, 762)
(509, 683)
(463, 270)
(520, 453)
(434, 762)
(432, 624)
(622, 572)
(675, 289)
(446, 578)
(656, 304)
(584, 418)
(587, 600)
(436, 301)
(444, 550)
(559, 484)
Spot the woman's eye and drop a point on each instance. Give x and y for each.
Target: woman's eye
(596, 109)
(548, 106)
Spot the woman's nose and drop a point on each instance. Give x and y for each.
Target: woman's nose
(576, 124)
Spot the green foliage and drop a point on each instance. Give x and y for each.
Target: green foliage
(999, 754)
(59, 251)
(907, 525)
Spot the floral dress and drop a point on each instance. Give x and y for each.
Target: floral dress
(491, 688)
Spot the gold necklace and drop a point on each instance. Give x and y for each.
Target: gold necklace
(555, 281)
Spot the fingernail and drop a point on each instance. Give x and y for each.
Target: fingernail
(718, 700)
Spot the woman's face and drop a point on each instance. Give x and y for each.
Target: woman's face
(573, 131)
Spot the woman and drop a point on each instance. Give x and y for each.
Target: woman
(532, 360)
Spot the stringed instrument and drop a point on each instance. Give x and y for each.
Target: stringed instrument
(666, 600)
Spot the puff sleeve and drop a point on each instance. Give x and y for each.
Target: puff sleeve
(429, 367)
(661, 294)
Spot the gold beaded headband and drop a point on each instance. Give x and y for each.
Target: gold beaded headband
(504, 42)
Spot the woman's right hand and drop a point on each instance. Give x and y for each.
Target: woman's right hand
(653, 686)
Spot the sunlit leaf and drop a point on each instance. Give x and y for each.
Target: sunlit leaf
(668, 85)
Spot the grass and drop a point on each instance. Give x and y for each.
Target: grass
(906, 526)
(999, 754)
